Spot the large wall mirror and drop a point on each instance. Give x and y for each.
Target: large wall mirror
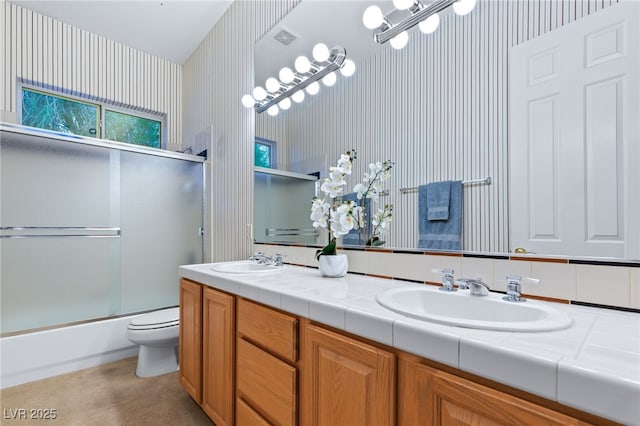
(443, 108)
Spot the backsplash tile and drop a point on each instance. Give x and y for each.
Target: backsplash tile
(502, 268)
(473, 267)
(616, 285)
(557, 280)
(603, 285)
(634, 288)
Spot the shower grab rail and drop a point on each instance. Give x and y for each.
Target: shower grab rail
(484, 181)
(64, 232)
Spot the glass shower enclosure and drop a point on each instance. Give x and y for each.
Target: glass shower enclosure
(92, 229)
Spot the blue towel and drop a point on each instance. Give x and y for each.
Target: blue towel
(353, 238)
(438, 195)
(441, 234)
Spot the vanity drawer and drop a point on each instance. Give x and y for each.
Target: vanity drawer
(266, 384)
(272, 330)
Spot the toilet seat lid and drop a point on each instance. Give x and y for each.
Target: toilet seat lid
(164, 317)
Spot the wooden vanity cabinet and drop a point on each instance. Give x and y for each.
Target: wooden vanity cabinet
(218, 356)
(430, 396)
(207, 349)
(266, 366)
(190, 347)
(346, 381)
(289, 371)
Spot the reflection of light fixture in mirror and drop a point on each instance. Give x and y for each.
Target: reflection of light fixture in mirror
(272, 85)
(348, 68)
(297, 97)
(329, 79)
(400, 41)
(313, 88)
(306, 76)
(419, 13)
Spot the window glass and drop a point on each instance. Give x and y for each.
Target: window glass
(265, 155)
(128, 128)
(60, 114)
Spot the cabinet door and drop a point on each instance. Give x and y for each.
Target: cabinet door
(427, 396)
(218, 353)
(346, 382)
(191, 338)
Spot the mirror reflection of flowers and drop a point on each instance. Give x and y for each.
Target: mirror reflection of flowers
(370, 189)
(339, 218)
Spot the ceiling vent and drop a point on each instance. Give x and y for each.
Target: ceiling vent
(284, 37)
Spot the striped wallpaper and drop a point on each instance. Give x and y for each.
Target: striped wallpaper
(215, 77)
(433, 128)
(438, 109)
(50, 54)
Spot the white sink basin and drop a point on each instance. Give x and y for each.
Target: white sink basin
(245, 267)
(464, 310)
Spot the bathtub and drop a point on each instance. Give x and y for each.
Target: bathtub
(41, 354)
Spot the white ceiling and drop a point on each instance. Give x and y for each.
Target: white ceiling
(170, 29)
(333, 22)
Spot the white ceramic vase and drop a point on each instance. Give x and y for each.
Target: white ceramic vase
(334, 266)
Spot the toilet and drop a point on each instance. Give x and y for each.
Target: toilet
(157, 334)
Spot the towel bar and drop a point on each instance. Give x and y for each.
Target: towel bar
(485, 181)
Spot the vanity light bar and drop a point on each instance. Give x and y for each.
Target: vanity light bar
(386, 33)
(318, 70)
(425, 15)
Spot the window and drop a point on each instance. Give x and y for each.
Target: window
(60, 114)
(71, 115)
(265, 153)
(129, 128)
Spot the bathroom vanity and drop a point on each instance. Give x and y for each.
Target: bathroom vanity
(290, 347)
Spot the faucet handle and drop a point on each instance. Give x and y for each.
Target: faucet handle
(447, 279)
(514, 287)
(278, 259)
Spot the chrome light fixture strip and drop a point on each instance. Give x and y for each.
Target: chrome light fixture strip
(387, 33)
(337, 57)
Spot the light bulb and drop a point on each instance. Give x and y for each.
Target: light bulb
(329, 79)
(320, 52)
(348, 68)
(259, 93)
(298, 96)
(313, 88)
(430, 24)
(248, 101)
(402, 4)
(400, 41)
(285, 104)
(302, 64)
(372, 17)
(272, 85)
(286, 75)
(273, 110)
(462, 7)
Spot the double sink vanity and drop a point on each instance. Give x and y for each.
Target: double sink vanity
(264, 344)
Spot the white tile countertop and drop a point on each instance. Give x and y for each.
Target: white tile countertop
(594, 365)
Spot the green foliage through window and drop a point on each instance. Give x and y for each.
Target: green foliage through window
(67, 115)
(262, 156)
(59, 114)
(131, 129)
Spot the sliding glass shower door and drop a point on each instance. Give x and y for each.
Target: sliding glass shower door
(90, 230)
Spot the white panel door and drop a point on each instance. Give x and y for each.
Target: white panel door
(574, 138)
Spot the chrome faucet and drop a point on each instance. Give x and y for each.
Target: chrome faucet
(475, 285)
(263, 259)
(514, 289)
(447, 280)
